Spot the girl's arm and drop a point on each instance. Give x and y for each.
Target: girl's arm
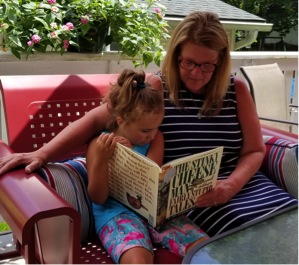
(99, 151)
(74, 135)
(251, 155)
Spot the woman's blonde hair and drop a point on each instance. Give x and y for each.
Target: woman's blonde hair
(130, 97)
(204, 29)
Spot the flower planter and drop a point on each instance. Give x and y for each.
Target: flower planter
(138, 29)
(93, 41)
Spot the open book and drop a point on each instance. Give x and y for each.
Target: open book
(160, 193)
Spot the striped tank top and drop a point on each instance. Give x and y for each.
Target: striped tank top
(186, 133)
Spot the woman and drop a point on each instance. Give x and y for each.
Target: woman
(205, 107)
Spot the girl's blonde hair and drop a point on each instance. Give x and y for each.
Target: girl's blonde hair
(204, 29)
(130, 97)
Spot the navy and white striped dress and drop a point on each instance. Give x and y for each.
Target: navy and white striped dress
(185, 134)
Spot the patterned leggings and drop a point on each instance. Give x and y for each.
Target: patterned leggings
(126, 231)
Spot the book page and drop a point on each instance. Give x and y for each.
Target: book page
(192, 177)
(133, 181)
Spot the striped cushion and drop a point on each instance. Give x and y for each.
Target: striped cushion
(69, 179)
(281, 163)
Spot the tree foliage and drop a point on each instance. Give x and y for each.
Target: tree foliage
(283, 14)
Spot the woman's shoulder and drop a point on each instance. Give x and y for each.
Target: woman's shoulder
(239, 83)
(155, 81)
(241, 87)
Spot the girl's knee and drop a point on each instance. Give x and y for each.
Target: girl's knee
(137, 255)
(196, 243)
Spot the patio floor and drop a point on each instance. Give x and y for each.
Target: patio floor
(7, 245)
(13, 261)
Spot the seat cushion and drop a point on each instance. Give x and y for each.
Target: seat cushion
(69, 179)
(281, 163)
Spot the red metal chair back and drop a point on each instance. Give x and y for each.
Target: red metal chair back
(44, 105)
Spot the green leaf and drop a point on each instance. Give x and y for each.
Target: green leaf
(30, 5)
(4, 227)
(85, 28)
(16, 53)
(14, 39)
(74, 43)
(43, 22)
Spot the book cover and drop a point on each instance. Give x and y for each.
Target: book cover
(160, 193)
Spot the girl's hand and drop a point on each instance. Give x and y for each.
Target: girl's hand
(98, 154)
(221, 194)
(124, 141)
(105, 145)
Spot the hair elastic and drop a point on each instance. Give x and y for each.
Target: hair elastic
(141, 85)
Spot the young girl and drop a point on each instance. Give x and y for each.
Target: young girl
(137, 111)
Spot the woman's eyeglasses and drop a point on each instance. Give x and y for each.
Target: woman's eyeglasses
(204, 67)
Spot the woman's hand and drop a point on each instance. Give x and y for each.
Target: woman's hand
(221, 194)
(32, 161)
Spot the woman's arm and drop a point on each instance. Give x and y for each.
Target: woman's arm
(253, 149)
(74, 135)
(99, 151)
(251, 155)
(156, 150)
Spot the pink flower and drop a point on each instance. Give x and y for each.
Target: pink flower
(158, 10)
(53, 25)
(30, 43)
(65, 28)
(55, 9)
(84, 19)
(4, 26)
(66, 44)
(51, 2)
(35, 38)
(70, 25)
(53, 35)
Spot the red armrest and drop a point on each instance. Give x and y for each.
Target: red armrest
(4, 149)
(26, 203)
(271, 131)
